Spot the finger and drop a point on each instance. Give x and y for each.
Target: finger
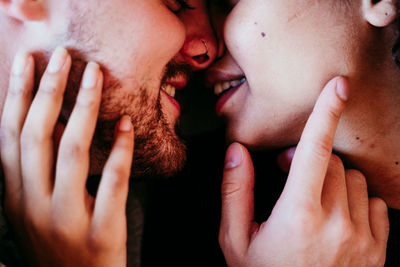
(357, 194)
(334, 192)
(379, 221)
(36, 136)
(311, 159)
(16, 107)
(113, 189)
(73, 155)
(285, 159)
(237, 218)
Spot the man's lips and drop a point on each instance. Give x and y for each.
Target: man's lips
(173, 101)
(178, 84)
(169, 87)
(179, 81)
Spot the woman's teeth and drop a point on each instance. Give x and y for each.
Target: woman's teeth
(224, 86)
(169, 89)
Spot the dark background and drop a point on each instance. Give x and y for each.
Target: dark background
(183, 213)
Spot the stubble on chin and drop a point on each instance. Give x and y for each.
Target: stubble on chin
(159, 152)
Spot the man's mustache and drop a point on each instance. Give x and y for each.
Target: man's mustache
(174, 69)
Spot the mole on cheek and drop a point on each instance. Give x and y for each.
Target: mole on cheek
(372, 146)
(397, 163)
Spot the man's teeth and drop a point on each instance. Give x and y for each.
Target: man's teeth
(223, 86)
(169, 89)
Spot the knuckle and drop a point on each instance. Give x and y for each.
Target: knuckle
(87, 99)
(30, 138)
(322, 148)
(117, 172)
(59, 232)
(377, 258)
(33, 221)
(18, 86)
(333, 113)
(96, 241)
(226, 243)
(50, 85)
(363, 245)
(71, 150)
(62, 225)
(8, 134)
(16, 91)
(303, 221)
(344, 232)
(229, 189)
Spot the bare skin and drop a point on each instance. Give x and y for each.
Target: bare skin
(323, 217)
(57, 221)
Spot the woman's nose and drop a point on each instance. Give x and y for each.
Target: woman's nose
(199, 51)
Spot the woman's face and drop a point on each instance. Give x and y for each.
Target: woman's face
(280, 54)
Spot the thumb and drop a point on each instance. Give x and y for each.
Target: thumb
(237, 218)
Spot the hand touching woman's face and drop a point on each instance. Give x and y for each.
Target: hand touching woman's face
(279, 55)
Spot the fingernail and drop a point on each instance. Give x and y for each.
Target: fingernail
(91, 75)
(20, 62)
(234, 156)
(342, 89)
(125, 124)
(57, 60)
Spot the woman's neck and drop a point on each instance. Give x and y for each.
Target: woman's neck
(368, 138)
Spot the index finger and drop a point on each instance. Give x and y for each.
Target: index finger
(311, 159)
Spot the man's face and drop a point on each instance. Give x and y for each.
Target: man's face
(143, 46)
(286, 51)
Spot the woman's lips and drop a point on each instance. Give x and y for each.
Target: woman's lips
(225, 84)
(225, 96)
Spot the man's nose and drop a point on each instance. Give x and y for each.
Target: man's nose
(200, 50)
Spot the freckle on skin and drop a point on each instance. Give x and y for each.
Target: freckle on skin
(358, 138)
(372, 146)
(263, 34)
(397, 163)
(256, 23)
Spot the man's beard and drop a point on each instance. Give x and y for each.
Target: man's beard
(159, 152)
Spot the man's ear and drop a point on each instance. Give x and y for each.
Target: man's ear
(24, 10)
(380, 13)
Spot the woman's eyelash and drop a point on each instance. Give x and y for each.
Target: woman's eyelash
(184, 4)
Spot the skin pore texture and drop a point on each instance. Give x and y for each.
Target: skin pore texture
(288, 50)
(134, 54)
(113, 33)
